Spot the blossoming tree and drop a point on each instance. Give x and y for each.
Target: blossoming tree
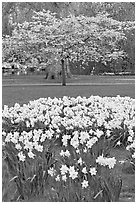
(68, 39)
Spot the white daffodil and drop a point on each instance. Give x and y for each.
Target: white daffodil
(85, 150)
(130, 139)
(77, 151)
(21, 156)
(8, 137)
(18, 146)
(91, 142)
(111, 162)
(39, 148)
(64, 178)
(65, 140)
(118, 143)
(133, 155)
(80, 161)
(28, 124)
(93, 171)
(131, 132)
(31, 155)
(104, 161)
(51, 171)
(83, 137)
(64, 153)
(108, 132)
(91, 132)
(99, 133)
(57, 178)
(64, 169)
(84, 170)
(75, 142)
(67, 154)
(72, 173)
(85, 184)
(28, 145)
(4, 133)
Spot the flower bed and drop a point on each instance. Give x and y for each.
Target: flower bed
(60, 148)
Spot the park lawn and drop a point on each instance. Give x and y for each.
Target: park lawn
(23, 94)
(36, 79)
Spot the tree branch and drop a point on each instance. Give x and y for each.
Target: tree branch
(77, 43)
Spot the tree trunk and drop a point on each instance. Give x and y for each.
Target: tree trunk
(58, 70)
(53, 71)
(68, 73)
(63, 73)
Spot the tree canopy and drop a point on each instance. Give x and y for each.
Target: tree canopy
(77, 37)
(87, 38)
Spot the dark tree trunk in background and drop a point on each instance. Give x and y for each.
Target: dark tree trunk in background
(58, 70)
(67, 65)
(63, 73)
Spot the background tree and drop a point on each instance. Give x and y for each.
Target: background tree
(74, 38)
(23, 11)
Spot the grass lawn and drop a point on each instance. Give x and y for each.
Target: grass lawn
(11, 79)
(23, 94)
